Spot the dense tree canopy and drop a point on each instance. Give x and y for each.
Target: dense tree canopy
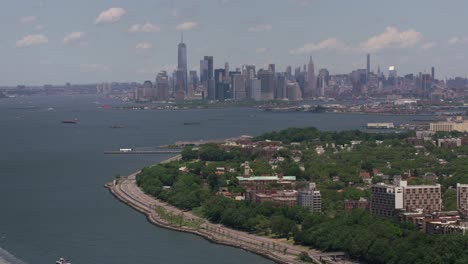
(364, 237)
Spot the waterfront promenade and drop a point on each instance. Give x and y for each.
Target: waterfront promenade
(126, 190)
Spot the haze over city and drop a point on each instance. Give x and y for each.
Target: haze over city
(86, 41)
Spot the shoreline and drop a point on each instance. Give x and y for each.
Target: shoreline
(276, 251)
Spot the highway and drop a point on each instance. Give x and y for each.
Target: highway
(127, 190)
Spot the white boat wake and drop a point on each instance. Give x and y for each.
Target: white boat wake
(7, 258)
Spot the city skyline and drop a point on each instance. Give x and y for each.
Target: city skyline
(121, 41)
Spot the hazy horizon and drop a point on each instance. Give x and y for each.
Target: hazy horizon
(54, 42)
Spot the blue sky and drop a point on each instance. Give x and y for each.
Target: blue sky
(84, 41)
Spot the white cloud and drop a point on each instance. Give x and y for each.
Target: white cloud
(31, 40)
(186, 26)
(428, 46)
(144, 46)
(110, 15)
(260, 28)
(261, 50)
(327, 44)
(144, 28)
(73, 37)
(93, 67)
(28, 19)
(392, 37)
(458, 40)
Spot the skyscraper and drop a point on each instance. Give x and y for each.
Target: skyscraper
(249, 71)
(267, 84)
(293, 91)
(203, 71)
(323, 78)
(238, 84)
(311, 90)
(182, 63)
(281, 81)
(368, 68)
(219, 93)
(162, 86)
(226, 70)
(180, 83)
(255, 89)
(289, 73)
(209, 62)
(193, 78)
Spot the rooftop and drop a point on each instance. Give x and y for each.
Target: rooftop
(266, 178)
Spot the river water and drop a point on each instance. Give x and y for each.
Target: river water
(52, 200)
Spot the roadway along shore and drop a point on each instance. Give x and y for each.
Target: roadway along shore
(127, 191)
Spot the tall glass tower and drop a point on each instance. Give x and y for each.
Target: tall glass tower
(182, 62)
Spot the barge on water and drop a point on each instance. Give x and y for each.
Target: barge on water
(70, 121)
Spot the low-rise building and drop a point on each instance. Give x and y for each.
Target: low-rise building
(462, 197)
(261, 183)
(366, 177)
(285, 198)
(449, 142)
(386, 200)
(362, 203)
(282, 198)
(457, 124)
(435, 223)
(310, 198)
(425, 197)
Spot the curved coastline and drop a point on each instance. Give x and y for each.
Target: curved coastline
(129, 193)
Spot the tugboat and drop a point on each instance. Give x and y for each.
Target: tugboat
(62, 261)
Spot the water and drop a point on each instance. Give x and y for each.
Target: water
(52, 200)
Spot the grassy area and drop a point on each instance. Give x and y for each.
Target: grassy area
(177, 219)
(198, 211)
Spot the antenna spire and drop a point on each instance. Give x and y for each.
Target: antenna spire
(182, 37)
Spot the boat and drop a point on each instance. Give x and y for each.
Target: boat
(70, 121)
(62, 261)
(125, 150)
(191, 123)
(117, 126)
(317, 109)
